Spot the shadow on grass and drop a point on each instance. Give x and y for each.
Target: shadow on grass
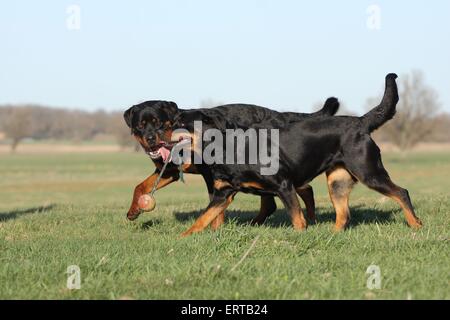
(149, 224)
(359, 215)
(14, 214)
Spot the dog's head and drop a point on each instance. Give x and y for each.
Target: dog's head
(150, 122)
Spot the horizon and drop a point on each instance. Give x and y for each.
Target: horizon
(112, 55)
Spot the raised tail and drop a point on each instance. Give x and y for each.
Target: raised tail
(385, 111)
(330, 107)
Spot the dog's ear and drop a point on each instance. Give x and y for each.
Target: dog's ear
(128, 115)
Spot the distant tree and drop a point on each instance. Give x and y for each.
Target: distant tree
(415, 119)
(17, 126)
(121, 132)
(442, 132)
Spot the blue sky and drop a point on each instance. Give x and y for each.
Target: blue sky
(287, 55)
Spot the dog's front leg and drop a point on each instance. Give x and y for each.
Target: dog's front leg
(289, 198)
(222, 197)
(268, 206)
(146, 186)
(307, 195)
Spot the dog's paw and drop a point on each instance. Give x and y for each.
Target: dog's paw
(133, 215)
(185, 234)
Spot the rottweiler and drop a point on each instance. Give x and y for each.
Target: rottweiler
(150, 123)
(340, 146)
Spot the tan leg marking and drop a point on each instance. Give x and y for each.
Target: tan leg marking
(220, 184)
(252, 184)
(340, 184)
(411, 218)
(298, 219)
(307, 195)
(206, 218)
(295, 211)
(218, 221)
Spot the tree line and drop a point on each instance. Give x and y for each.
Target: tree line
(19, 122)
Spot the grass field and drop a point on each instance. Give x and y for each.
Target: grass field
(69, 209)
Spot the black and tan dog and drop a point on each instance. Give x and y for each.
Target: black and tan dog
(340, 146)
(151, 121)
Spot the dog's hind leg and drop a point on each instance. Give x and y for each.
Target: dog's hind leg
(307, 195)
(340, 184)
(289, 198)
(368, 168)
(383, 184)
(268, 206)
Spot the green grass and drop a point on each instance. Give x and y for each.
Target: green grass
(61, 210)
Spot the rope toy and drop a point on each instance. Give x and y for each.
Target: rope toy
(147, 201)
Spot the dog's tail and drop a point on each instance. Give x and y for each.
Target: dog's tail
(330, 107)
(385, 111)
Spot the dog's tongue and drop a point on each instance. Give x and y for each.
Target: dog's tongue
(164, 152)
